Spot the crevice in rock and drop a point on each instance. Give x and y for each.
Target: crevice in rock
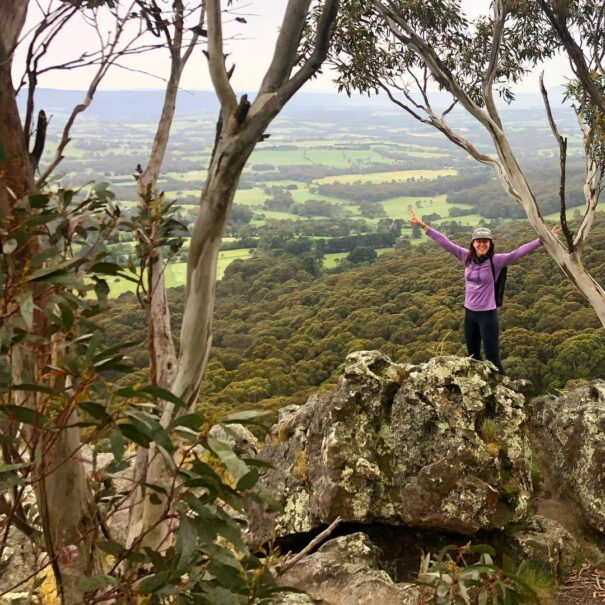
(400, 547)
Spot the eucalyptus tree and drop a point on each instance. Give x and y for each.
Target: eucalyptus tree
(53, 256)
(406, 49)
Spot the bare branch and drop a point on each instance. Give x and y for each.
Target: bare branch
(216, 58)
(402, 31)
(562, 142)
(286, 48)
(110, 56)
(403, 105)
(319, 53)
(592, 188)
(309, 547)
(490, 75)
(559, 22)
(37, 49)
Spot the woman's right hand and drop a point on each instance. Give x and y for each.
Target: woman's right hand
(414, 220)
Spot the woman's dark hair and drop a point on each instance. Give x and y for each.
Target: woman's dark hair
(472, 253)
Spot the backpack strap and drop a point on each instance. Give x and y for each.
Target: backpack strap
(491, 264)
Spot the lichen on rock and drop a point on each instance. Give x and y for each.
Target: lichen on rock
(571, 428)
(346, 571)
(401, 445)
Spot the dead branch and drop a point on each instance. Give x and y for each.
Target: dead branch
(111, 53)
(592, 187)
(290, 562)
(562, 142)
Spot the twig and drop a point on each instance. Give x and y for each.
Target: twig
(309, 547)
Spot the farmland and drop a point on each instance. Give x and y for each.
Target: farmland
(324, 182)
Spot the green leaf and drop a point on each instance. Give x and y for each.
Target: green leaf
(48, 273)
(186, 542)
(96, 583)
(96, 410)
(5, 468)
(105, 268)
(24, 415)
(483, 549)
(67, 316)
(39, 200)
(26, 308)
(8, 481)
(224, 451)
(116, 439)
(190, 421)
(155, 499)
(248, 481)
(33, 388)
(133, 434)
(222, 596)
(101, 289)
(163, 394)
(111, 547)
(258, 463)
(156, 559)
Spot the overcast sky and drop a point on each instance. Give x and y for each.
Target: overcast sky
(251, 51)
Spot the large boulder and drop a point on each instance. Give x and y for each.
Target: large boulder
(571, 430)
(442, 446)
(346, 571)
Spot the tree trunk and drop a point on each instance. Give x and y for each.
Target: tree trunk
(570, 263)
(64, 500)
(16, 176)
(196, 329)
(68, 514)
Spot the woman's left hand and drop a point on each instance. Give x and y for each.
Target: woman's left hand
(556, 230)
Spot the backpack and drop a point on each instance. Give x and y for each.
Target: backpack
(498, 283)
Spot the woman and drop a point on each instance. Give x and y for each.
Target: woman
(480, 312)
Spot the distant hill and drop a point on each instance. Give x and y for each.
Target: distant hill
(145, 105)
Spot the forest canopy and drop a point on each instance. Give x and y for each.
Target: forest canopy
(280, 333)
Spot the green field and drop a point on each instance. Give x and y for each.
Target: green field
(331, 260)
(175, 273)
(382, 177)
(338, 158)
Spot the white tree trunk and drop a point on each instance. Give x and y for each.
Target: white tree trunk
(69, 515)
(196, 329)
(242, 125)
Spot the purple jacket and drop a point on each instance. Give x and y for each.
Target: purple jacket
(478, 278)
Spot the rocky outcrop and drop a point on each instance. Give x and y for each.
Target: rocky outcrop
(546, 542)
(571, 429)
(442, 446)
(346, 571)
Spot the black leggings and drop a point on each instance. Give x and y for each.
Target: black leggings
(483, 326)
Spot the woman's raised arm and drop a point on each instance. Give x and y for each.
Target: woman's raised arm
(458, 251)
